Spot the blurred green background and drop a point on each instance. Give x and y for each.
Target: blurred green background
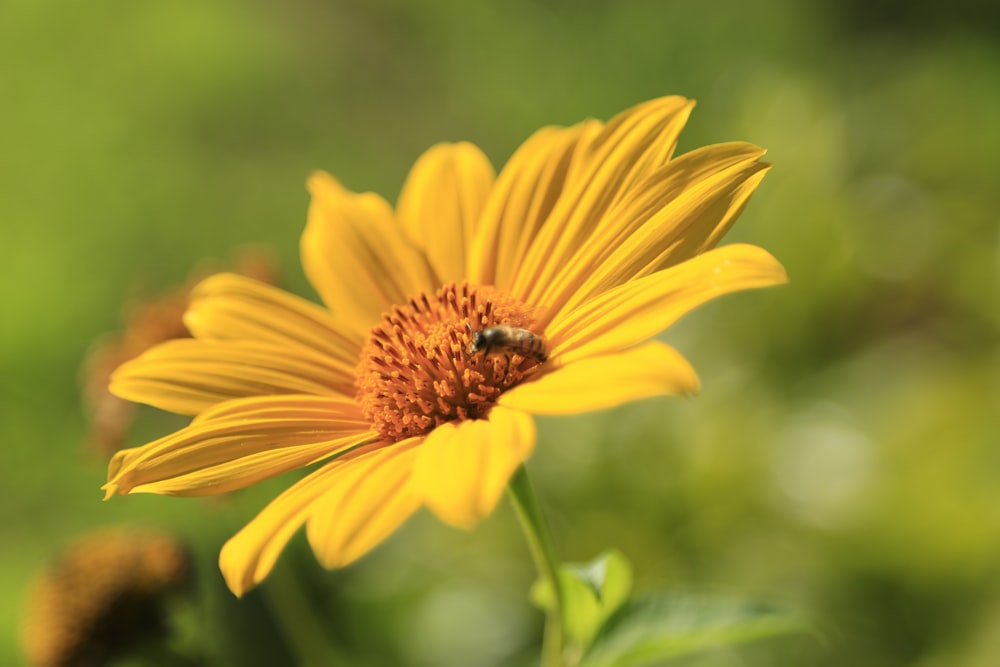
(844, 456)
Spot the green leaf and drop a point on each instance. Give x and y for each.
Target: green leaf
(591, 593)
(609, 577)
(658, 628)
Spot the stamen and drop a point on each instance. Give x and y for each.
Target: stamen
(416, 372)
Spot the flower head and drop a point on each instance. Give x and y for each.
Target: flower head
(479, 301)
(104, 596)
(147, 323)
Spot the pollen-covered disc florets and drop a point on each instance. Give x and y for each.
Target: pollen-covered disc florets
(416, 371)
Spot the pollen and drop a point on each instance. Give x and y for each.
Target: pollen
(416, 372)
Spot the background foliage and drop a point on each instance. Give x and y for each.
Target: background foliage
(843, 457)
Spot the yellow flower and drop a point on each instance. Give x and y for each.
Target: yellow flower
(589, 242)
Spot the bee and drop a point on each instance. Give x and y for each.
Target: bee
(508, 339)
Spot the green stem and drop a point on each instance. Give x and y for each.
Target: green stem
(298, 620)
(522, 495)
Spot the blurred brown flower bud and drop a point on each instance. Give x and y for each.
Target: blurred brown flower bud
(104, 595)
(147, 323)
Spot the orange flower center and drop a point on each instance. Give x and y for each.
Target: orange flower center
(417, 371)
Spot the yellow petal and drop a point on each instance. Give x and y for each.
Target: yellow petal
(368, 497)
(232, 307)
(239, 443)
(634, 312)
(652, 369)
(462, 469)
(441, 202)
(677, 212)
(631, 145)
(188, 375)
(521, 201)
(248, 557)
(357, 256)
